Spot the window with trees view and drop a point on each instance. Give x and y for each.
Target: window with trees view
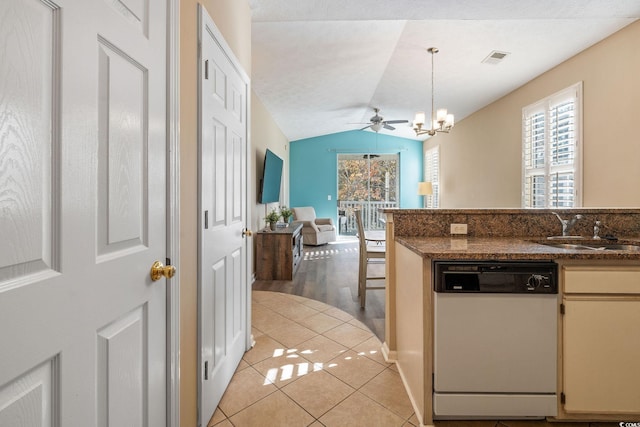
(367, 182)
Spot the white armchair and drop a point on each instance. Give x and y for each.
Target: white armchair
(315, 231)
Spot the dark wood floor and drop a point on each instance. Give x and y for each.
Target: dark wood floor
(329, 274)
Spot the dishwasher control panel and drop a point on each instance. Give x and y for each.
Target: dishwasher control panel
(496, 277)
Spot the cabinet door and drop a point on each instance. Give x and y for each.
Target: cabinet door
(601, 345)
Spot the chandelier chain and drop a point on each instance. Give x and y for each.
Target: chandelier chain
(433, 51)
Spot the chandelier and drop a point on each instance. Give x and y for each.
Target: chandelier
(440, 120)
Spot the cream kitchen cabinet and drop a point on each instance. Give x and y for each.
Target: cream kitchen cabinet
(600, 342)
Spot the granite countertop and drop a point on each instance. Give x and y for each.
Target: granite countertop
(512, 248)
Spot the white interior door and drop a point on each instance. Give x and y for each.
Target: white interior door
(82, 203)
(223, 255)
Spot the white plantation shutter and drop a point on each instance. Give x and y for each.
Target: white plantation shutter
(550, 148)
(534, 194)
(432, 174)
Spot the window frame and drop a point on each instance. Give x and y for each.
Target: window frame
(547, 170)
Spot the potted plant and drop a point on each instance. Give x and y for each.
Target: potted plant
(286, 214)
(272, 218)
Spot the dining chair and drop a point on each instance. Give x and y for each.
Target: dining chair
(369, 253)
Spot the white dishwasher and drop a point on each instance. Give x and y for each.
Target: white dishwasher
(495, 339)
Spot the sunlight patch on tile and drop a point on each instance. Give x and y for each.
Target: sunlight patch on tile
(291, 371)
(303, 369)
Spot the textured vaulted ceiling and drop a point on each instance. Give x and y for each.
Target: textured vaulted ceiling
(320, 66)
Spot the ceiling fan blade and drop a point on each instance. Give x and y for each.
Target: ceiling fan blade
(377, 122)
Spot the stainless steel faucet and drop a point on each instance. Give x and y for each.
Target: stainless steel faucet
(567, 224)
(596, 230)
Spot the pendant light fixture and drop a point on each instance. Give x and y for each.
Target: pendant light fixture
(440, 121)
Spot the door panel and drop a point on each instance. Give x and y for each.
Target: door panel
(237, 323)
(238, 145)
(223, 256)
(29, 30)
(219, 183)
(122, 160)
(121, 370)
(82, 202)
(134, 11)
(29, 399)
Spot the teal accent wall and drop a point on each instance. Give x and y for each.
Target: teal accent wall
(313, 164)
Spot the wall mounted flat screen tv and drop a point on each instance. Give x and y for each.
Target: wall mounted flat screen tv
(271, 177)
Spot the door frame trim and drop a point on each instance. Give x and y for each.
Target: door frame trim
(173, 213)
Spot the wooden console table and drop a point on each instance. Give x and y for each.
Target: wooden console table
(278, 252)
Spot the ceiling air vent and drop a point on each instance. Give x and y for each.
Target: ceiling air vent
(495, 57)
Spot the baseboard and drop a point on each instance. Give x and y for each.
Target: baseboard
(389, 356)
(416, 411)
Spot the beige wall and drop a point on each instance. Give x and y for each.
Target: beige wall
(265, 133)
(481, 157)
(233, 19)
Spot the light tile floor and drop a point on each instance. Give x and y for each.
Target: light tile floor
(312, 365)
(315, 365)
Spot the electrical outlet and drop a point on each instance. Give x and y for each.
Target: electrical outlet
(458, 228)
(329, 197)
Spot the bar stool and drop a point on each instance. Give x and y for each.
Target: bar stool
(369, 254)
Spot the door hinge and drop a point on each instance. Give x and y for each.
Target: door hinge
(206, 370)
(563, 398)
(206, 220)
(562, 309)
(206, 69)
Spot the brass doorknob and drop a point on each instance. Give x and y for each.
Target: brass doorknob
(246, 232)
(159, 270)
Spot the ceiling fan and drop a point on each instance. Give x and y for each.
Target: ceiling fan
(378, 122)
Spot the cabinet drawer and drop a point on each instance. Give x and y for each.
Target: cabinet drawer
(601, 280)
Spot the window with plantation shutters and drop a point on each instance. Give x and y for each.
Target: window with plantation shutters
(432, 174)
(551, 130)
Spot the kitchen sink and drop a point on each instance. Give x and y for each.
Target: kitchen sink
(595, 246)
(567, 246)
(617, 247)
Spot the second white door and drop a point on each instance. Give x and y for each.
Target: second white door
(224, 252)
